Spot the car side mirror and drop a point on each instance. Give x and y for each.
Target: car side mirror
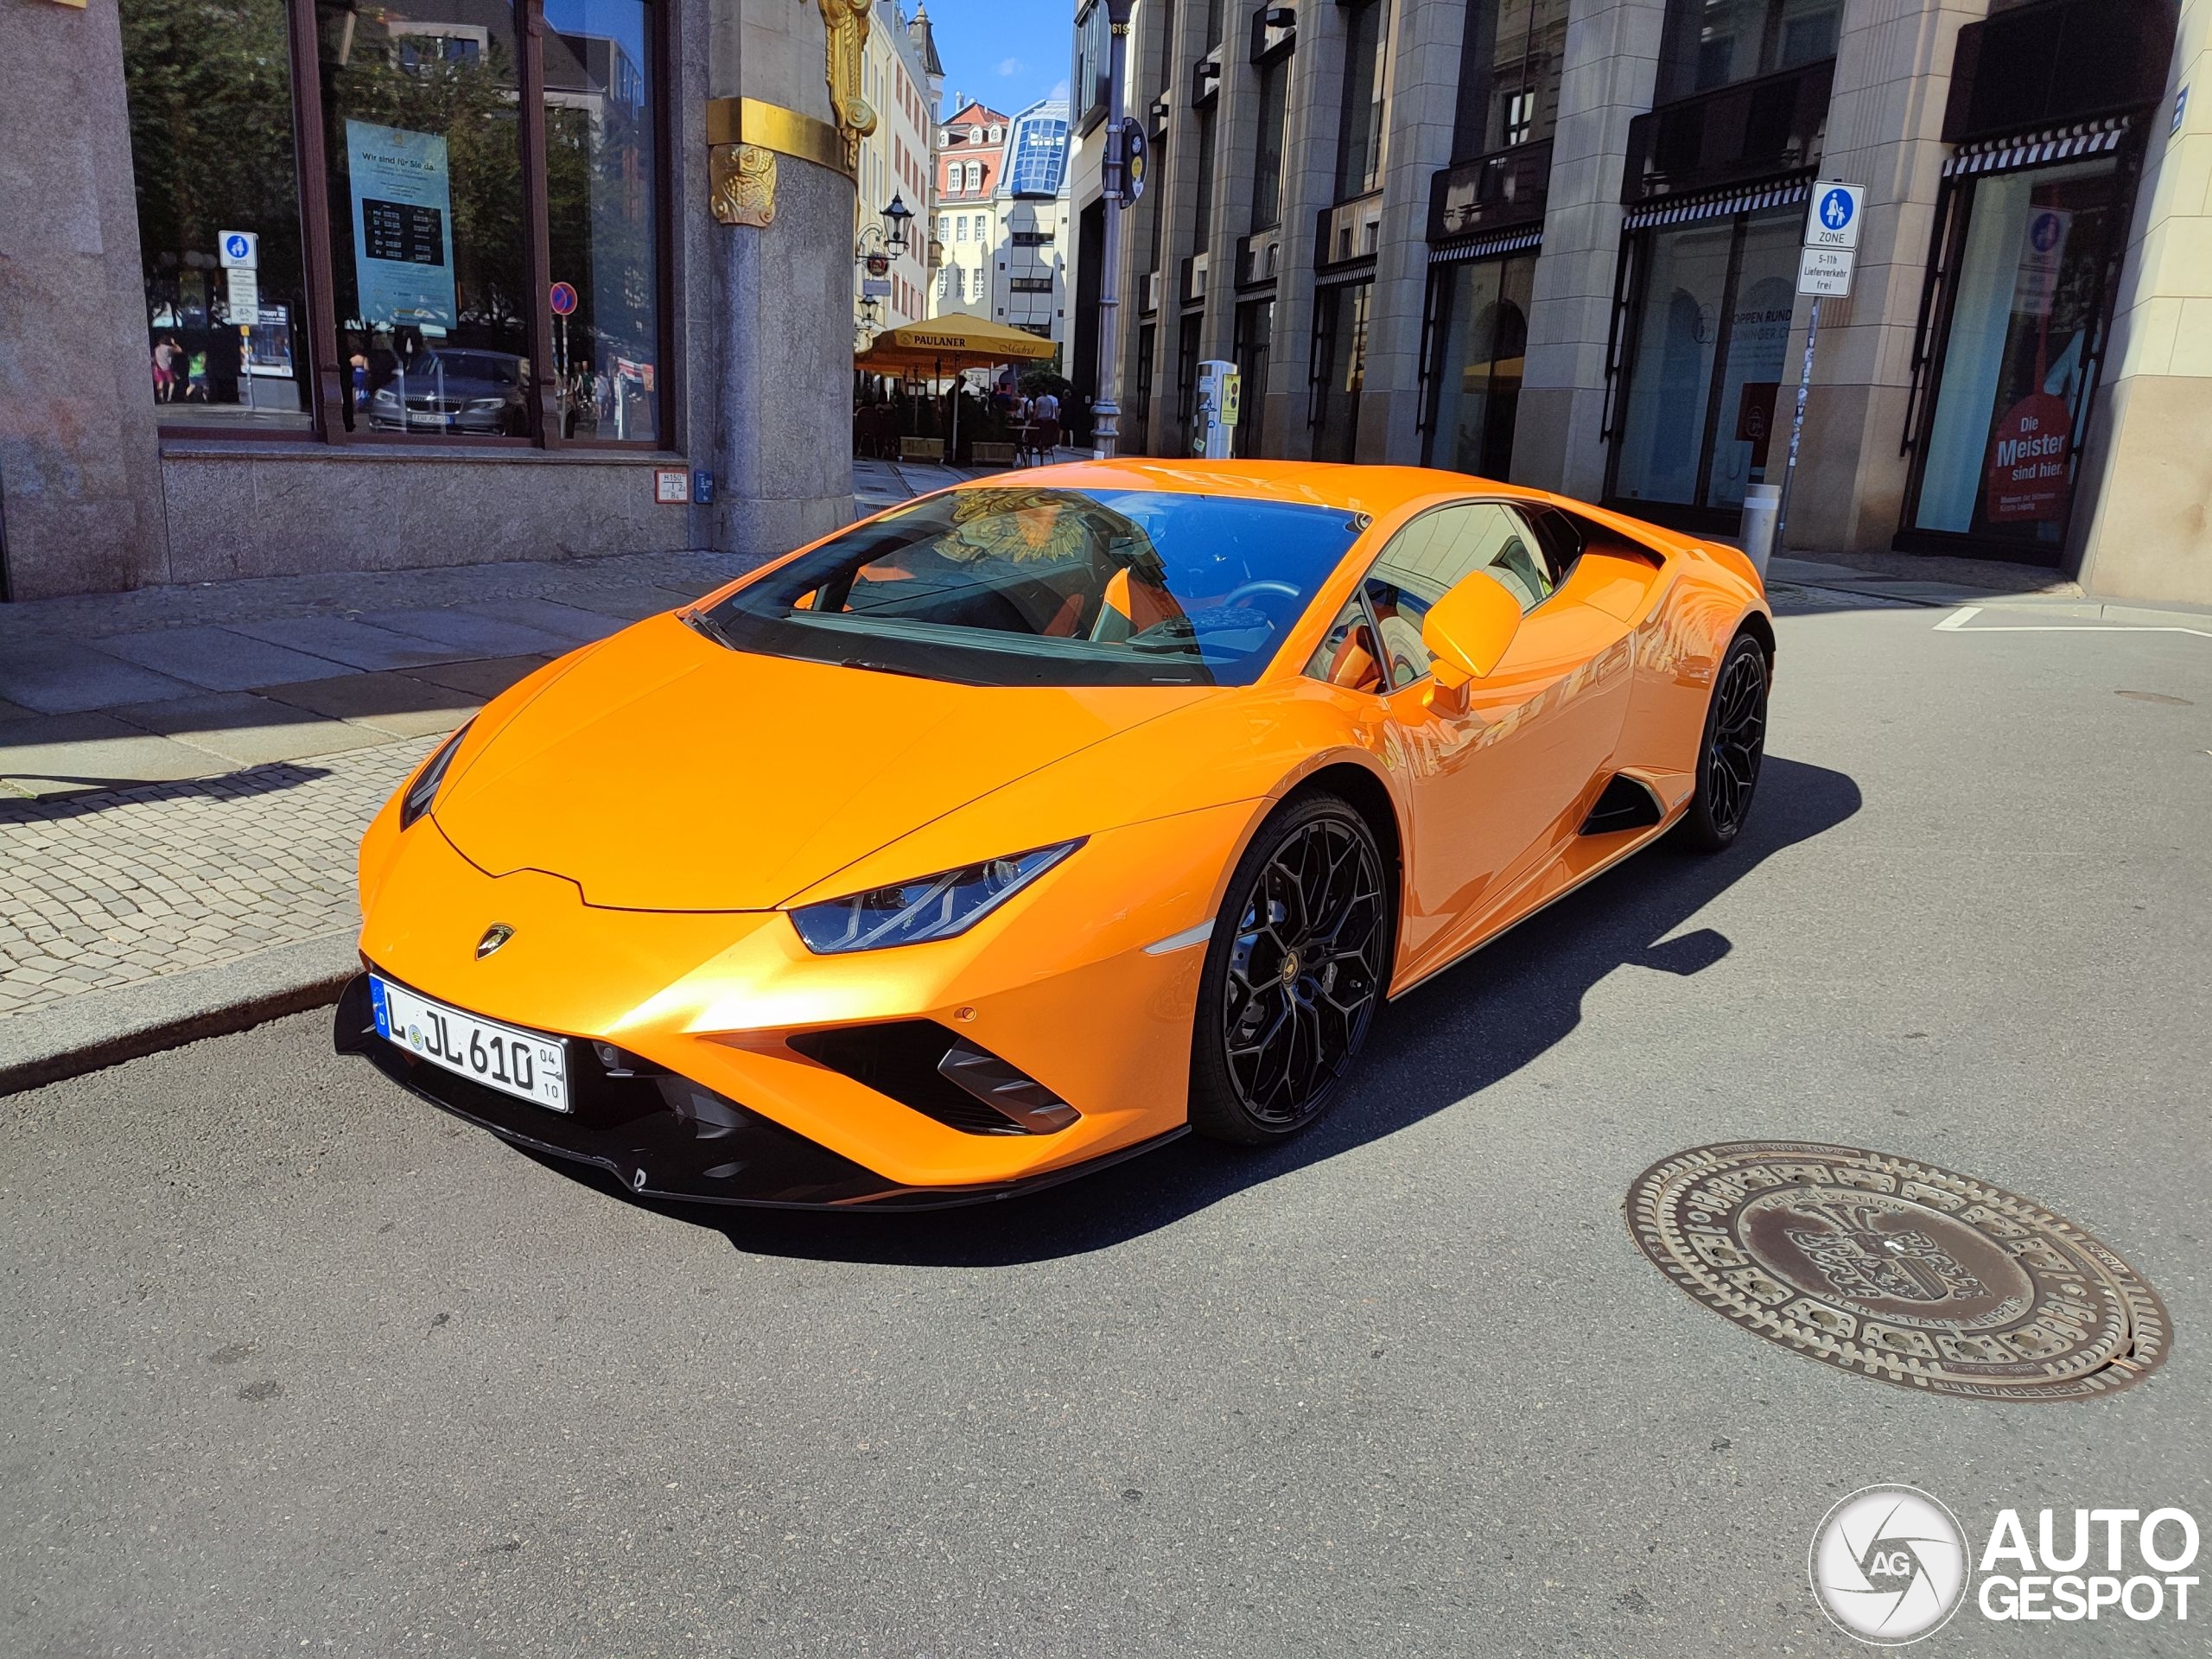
(1467, 633)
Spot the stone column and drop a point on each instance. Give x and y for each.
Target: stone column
(779, 341)
(1613, 63)
(2141, 528)
(1423, 93)
(81, 485)
(1885, 120)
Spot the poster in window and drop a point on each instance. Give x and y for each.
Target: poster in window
(403, 226)
(2029, 456)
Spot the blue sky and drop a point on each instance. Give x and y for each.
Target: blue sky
(1008, 53)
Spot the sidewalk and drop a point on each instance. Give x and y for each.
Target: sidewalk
(185, 772)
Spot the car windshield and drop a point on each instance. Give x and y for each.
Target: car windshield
(493, 366)
(1007, 586)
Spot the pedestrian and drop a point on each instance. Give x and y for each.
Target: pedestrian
(196, 389)
(164, 370)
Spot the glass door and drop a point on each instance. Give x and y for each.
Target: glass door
(1482, 335)
(2017, 359)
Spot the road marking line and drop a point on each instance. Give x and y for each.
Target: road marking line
(1956, 623)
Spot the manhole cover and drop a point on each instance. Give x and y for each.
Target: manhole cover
(1899, 1270)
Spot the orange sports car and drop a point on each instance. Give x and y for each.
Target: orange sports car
(1027, 825)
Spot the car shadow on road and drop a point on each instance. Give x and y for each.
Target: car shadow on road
(1433, 1050)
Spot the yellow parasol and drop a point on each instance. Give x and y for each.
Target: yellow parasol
(944, 346)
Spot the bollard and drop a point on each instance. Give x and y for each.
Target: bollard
(1762, 503)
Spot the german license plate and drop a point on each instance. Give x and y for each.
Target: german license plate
(517, 1063)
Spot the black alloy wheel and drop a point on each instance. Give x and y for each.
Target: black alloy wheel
(1734, 744)
(1299, 963)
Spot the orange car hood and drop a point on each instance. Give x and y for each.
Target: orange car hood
(666, 772)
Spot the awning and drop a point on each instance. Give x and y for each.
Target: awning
(945, 344)
(2036, 149)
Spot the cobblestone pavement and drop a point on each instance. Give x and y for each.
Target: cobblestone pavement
(99, 891)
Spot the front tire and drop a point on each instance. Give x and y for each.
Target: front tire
(1298, 962)
(1729, 753)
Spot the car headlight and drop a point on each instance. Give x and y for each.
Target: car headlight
(424, 790)
(385, 395)
(929, 908)
(484, 405)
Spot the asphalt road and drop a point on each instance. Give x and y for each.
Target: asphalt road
(293, 1363)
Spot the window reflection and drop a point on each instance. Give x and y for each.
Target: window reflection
(1713, 43)
(421, 129)
(599, 111)
(210, 90)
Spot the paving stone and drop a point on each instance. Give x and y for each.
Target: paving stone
(480, 635)
(398, 703)
(68, 754)
(58, 675)
(250, 730)
(485, 678)
(220, 659)
(578, 627)
(357, 643)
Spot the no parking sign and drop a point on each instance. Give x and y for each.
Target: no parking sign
(564, 299)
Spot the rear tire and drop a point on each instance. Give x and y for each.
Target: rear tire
(1298, 962)
(1730, 752)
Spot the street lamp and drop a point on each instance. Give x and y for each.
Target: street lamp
(1105, 412)
(896, 216)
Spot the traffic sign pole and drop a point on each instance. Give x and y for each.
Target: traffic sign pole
(1797, 424)
(1831, 247)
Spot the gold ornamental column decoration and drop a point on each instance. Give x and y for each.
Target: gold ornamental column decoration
(846, 21)
(742, 181)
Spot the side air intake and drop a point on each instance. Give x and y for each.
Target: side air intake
(921, 1065)
(1626, 805)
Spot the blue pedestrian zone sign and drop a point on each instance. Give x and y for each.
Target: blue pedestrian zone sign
(1833, 222)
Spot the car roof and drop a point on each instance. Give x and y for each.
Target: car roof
(1372, 490)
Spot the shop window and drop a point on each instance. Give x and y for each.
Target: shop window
(1709, 332)
(2018, 357)
(1255, 324)
(601, 105)
(1359, 132)
(211, 142)
(1710, 43)
(397, 270)
(426, 222)
(1340, 363)
(1480, 333)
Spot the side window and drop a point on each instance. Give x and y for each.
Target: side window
(1347, 655)
(1431, 556)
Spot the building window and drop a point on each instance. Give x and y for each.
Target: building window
(403, 277)
(1509, 68)
(1202, 220)
(1359, 133)
(1141, 406)
(1029, 284)
(1710, 43)
(1041, 152)
(2018, 357)
(1255, 322)
(961, 233)
(1709, 331)
(603, 214)
(1480, 332)
(1340, 362)
(975, 176)
(1266, 155)
(1186, 369)
(1093, 33)
(211, 139)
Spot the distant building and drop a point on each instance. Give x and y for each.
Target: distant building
(970, 155)
(1029, 264)
(1558, 242)
(902, 80)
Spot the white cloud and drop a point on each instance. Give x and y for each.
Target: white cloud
(1009, 65)
(1059, 90)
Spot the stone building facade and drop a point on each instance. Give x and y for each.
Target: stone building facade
(302, 285)
(1558, 242)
